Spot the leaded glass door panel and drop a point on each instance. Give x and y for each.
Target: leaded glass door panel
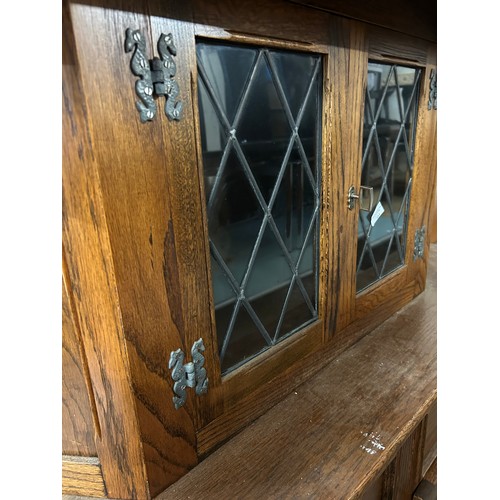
(260, 125)
(390, 119)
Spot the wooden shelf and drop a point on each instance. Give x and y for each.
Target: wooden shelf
(334, 435)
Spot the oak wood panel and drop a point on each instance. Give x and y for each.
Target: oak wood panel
(265, 18)
(430, 445)
(348, 77)
(82, 476)
(424, 181)
(385, 45)
(427, 489)
(404, 473)
(93, 288)
(187, 202)
(77, 416)
(321, 440)
(433, 219)
(153, 240)
(219, 33)
(408, 16)
(374, 490)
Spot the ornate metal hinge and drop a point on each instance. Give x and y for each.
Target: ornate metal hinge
(156, 75)
(418, 249)
(432, 90)
(191, 374)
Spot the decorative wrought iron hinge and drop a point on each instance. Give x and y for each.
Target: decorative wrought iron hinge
(156, 75)
(191, 374)
(418, 249)
(432, 90)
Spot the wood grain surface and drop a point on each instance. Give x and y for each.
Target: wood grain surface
(385, 45)
(424, 181)
(427, 489)
(77, 415)
(135, 235)
(349, 63)
(408, 16)
(430, 445)
(92, 285)
(146, 171)
(82, 476)
(404, 473)
(337, 432)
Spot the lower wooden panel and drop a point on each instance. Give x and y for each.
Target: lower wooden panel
(427, 488)
(82, 476)
(404, 473)
(430, 445)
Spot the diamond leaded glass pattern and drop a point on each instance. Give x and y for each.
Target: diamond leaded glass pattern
(387, 166)
(260, 121)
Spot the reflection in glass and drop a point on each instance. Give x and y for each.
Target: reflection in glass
(387, 166)
(260, 124)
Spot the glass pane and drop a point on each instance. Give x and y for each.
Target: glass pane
(294, 72)
(228, 69)
(264, 131)
(387, 166)
(262, 186)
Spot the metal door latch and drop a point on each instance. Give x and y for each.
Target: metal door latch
(352, 197)
(157, 75)
(418, 248)
(191, 374)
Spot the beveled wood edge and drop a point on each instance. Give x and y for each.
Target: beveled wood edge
(228, 35)
(82, 476)
(386, 45)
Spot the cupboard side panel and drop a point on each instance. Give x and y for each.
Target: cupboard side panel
(423, 184)
(77, 418)
(93, 288)
(135, 164)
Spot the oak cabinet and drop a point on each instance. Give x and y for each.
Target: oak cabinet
(229, 212)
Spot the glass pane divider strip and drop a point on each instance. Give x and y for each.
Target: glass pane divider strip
(387, 252)
(294, 125)
(283, 309)
(213, 96)
(239, 292)
(229, 330)
(281, 243)
(246, 91)
(218, 176)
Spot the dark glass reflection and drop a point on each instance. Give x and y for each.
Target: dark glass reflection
(260, 124)
(388, 148)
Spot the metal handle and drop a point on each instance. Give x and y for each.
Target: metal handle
(352, 197)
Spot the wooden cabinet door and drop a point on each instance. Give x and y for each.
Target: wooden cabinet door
(265, 170)
(386, 263)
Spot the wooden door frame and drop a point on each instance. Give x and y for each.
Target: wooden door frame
(404, 283)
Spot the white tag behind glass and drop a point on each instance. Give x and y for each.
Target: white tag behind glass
(379, 210)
